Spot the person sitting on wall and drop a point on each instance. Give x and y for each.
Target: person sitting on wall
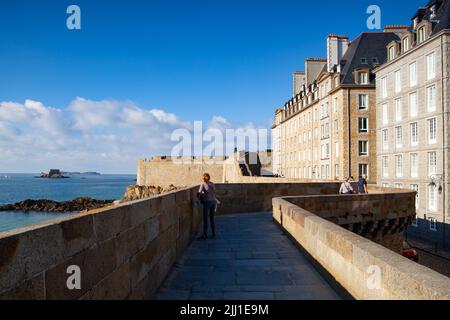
(346, 187)
(207, 196)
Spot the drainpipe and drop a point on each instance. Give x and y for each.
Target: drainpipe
(444, 156)
(349, 135)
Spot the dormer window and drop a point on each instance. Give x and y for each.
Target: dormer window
(421, 35)
(363, 60)
(405, 44)
(375, 60)
(363, 78)
(391, 53)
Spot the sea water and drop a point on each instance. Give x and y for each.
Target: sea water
(18, 187)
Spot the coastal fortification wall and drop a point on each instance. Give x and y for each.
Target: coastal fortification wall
(339, 233)
(164, 171)
(126, 251)
(180, 172)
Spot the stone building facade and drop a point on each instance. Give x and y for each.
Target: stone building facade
(413, 118)
(327, 130)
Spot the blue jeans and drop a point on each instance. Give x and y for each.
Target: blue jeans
(208, 210)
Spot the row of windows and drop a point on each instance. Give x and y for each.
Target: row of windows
(432, 195)
(412, 74)
(413, 106)
(323, 112)
(414, 164)
(413, 135)
(363, 127)
(314, 172)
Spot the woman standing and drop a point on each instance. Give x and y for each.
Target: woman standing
(207, 195)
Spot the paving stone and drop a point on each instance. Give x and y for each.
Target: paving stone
(251, 259)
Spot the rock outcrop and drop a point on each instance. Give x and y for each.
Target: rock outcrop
(75, 205)
(52, 174)
(141, 192)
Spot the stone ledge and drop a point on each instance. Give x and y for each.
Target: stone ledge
(347, 257)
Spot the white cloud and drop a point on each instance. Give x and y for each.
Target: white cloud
(105, 136)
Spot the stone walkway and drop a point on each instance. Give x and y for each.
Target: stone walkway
(251, 259)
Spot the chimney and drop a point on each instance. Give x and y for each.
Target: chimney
(399, 30)
(299, 80)
(336, 48)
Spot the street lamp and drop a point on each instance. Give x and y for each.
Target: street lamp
(436, 180)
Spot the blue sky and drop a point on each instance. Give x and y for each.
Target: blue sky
(191, 60)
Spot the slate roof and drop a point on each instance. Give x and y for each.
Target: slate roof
(442, 19)
(369, 46)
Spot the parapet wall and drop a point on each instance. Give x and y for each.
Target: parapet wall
(124, 252)
(379, 217)
(183, 172)
(364, 268)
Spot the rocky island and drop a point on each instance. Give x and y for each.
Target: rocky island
(52, 174)
(44, 205)
(85, 203)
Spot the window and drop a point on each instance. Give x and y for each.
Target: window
(414, 134)
(336, 149)
(363, 125)
(385, 185)
(432, 131)
(413, 74)
(385, 135)
(336, 126)
(385, 166)
(325, 152)
(433, 224)
(431, 99)
(385, 113)
(363, 101)
(414, 165)
(421, 35)
(431, 66)
(384, 87)
(391, 53)
(398, 137)
(336, 170)
(432, 163)
(335, 104)
(432, 201)
(363, 169)
(363, 60)
(375, 60)
(405, 44)
(362, 78)
(399, 166)
(398, 81)
(413, 104)
(398, 110)
(415, 187)
(363, 147)
(399, 185)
